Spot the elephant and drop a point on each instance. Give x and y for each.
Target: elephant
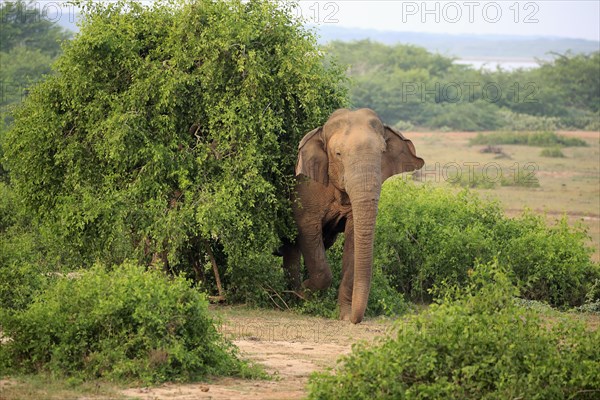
(340, 169)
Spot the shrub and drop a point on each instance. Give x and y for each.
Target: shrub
(119, 324)
(475, 180)
(403, 125)
(167, 125)
(19, 283)
(541, 139)
(7, 201)
(552, 152)
(512, 121)
(592, 299)
(552, 263)
(480, 346)
(427, 235)
(22, 273)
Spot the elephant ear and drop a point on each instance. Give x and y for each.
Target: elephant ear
(400, 154)
(312, 157)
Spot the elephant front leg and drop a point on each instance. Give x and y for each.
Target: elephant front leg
(345, 292)
(291, 265)
(313, 251)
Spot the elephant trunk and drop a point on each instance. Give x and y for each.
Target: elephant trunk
(363, 191)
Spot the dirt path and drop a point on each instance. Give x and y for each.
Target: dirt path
(290, 347)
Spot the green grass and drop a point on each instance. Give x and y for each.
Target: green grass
(540, 139)
(552, 152)
(36, 387)
(521, 178)
(567, 185)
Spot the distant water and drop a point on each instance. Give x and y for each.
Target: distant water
(490, 65)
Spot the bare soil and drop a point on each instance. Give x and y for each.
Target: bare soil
(290, 347)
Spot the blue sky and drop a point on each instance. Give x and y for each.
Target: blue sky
(560, 18)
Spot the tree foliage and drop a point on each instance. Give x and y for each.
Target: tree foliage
(405, 83)
(169, 126)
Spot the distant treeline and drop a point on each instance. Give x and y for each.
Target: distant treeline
(406, 84)
(409, 86)
(472, 46)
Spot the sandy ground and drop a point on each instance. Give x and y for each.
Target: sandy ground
(289, 347)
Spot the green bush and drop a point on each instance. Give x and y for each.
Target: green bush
(551, 263)
(403, 125)
(20, 283)
(121, 324)
(592, 299)
(465, 116)
(21, 272)
(552, 152)
(541, 139)
(475, 180)
(426, 236)
(169, 124)
(512, 121)
(482, 345)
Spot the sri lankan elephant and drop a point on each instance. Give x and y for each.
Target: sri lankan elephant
(340, 169)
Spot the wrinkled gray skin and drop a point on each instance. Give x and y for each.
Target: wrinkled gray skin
(341, 167)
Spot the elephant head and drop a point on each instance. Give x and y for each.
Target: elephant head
(351, 155)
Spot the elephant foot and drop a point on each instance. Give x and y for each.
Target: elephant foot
(345, 312)
(356, 319)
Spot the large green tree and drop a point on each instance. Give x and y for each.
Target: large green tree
(171, 128)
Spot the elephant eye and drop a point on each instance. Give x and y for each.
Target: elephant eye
(337, 153)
